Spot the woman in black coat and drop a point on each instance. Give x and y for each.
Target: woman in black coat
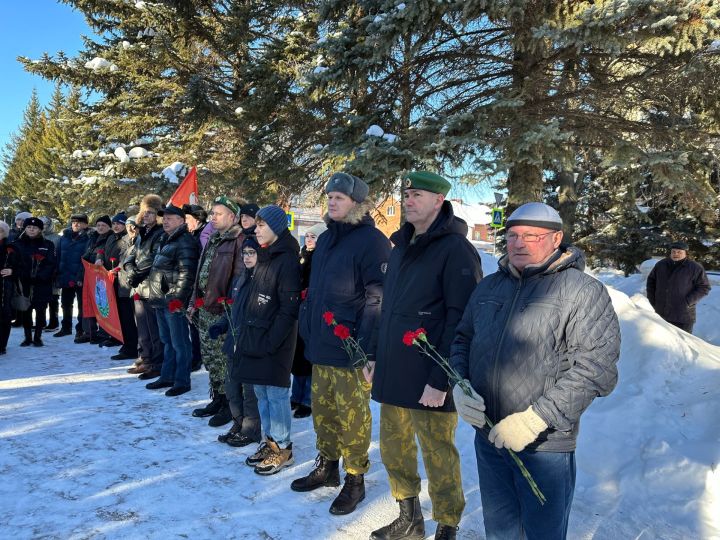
(8, 280)
(37, 268)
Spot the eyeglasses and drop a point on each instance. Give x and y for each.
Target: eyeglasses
(528, 237)
(249, 253)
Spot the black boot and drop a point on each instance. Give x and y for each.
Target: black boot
(445, 532)
(211, 408)
(37, 341)
(233, 430)
(325, 473)
(223, 416)
(28, 338)
(410, 524)
(353, 491)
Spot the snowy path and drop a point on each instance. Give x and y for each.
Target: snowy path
(87, 452)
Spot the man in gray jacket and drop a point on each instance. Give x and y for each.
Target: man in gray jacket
(539, 340)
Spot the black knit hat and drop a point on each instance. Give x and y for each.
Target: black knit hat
(104, 219)
(680, 245)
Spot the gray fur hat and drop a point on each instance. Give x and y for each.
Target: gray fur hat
(349, 185)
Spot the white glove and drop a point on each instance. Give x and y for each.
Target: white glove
(517, 430)
(470, 408)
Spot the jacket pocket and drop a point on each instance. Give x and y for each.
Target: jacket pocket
(254, 339)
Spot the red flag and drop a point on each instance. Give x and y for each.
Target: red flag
(99, 298)
(187, 191)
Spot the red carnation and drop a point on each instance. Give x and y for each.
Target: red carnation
(329, 317)
(71, 284)
(342, 331)
(101, 252)
(38, 257)
(175, 305)
(199, 302)
(420, 333)
(9, 249)
(221, 299)
(229, 301)
(409, 338)
(303, 294)
(136, 297)
(113, 259)
(115, 270)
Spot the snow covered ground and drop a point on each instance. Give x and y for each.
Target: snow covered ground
(87, 452)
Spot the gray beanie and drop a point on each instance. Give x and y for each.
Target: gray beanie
(23, 215)
(275, 217)
(349, 185)
(317, 229)
(49, 225)
(535, 214)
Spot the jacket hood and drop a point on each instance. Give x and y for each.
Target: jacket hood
(358, 214)
(564, 257)
(445, 223)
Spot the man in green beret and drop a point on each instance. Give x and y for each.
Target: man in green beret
(431, 273)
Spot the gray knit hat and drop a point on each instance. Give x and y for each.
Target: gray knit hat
(535, 214)
(317, 229)
(348, 184)
(23, 215)
(275, 217)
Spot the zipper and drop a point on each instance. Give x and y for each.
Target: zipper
(496, 382)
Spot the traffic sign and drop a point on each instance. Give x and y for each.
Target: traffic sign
(498, 216)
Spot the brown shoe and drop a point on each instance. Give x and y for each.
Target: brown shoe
(150, 374)
(138, 369)
(276, 461)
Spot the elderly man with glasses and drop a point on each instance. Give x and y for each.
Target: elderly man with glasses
(539, 340)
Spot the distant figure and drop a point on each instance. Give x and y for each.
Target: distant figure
(675, 286)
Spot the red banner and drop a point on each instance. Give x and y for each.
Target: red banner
(99, 299)
(187, 191)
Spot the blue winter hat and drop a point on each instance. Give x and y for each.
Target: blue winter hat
(275, 217)
(250, 242)
(119, 218)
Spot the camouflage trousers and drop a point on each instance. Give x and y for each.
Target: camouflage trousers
(341, 416)
(435, 431)
(211, 349)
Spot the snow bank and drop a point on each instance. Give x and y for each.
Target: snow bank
(87, 451)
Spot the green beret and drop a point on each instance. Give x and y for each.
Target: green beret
(427, 181)
(229, 203)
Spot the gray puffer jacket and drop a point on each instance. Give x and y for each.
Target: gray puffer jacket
(548, 337)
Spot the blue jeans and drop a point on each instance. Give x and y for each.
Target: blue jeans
(274, 406)
(510, 509)
(301, 389)
(175, 336)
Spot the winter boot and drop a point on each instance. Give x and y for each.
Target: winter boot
(325, 473)
(263, 451)
(275, 462)
(28, 338)
(235, 428)
(352, 492)
(211, 408)
(37, 340)
(63, 332)
(445, 532)
(223, 416)
(410, 524)
(303, 411)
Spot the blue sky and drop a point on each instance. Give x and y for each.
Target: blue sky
(30, 28)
